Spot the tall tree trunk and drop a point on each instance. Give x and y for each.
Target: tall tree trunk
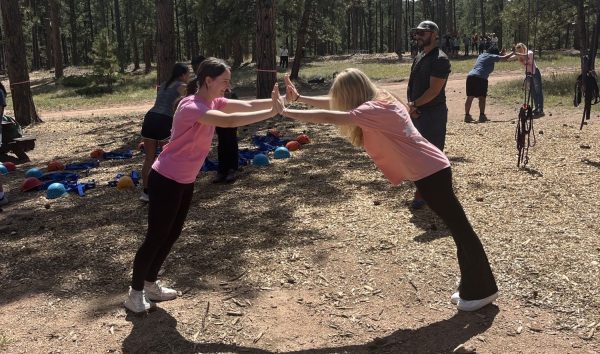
(36, 62)
(369, 27)
(90, 26)
(482, 12)
(16, 58)
(581, 27)
(48, 37)
(398, 16)
(165, 41)
(73, 29)
(120, 41)
(133, 38)
(301, 39)
(265, 47)
(65, 45)
(147, 54)
(56, 39)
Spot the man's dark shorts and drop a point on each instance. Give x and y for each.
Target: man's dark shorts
(476, 86)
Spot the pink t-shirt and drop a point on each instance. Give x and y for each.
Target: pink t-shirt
(529, 62)
(184, 154)
(394, 144)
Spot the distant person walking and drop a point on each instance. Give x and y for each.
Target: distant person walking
(426, 90)
(284, 57)
(477, 82)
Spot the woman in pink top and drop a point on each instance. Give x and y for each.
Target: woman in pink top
(171, 179)
(526, 58)
(378, 121)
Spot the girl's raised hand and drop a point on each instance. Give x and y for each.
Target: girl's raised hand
(278, 105)
(291, 94)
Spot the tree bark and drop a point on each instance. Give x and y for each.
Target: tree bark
(16, 58)
(56, 38)
(398, 17)
(133, 38)
(301, 39)
(120, 41)
(73, 29)
(482, 12)
(265, 48)
(165, 41)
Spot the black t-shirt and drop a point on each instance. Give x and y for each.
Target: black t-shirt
(436, 64)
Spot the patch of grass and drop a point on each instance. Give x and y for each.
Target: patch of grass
(133, 88)
(4, 341)
(558, 89)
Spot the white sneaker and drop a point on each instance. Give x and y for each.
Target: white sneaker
(474, 305)
(144, 197)
(454, 298)
(137, 302)
(156, 292)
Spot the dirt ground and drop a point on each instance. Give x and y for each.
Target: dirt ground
(314, 254)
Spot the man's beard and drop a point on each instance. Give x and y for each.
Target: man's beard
(424, 42)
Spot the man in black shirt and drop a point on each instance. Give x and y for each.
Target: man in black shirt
(426, 89)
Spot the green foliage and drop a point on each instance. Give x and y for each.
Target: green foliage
(104, 59)
(76, 80)
(558, 90)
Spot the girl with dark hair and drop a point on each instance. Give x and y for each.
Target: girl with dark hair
(171, 179)
(156, 128)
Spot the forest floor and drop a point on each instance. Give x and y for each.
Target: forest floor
(314, 254)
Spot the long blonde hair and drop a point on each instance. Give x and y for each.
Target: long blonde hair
(351, 88)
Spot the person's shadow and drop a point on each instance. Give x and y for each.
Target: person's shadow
(157, 333)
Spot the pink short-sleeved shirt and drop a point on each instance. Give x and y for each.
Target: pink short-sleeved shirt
(184, 154)
(394, 144)
(529, 62)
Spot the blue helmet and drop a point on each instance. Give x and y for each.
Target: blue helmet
(34, 172)
(3, 169)
(260, 160)
(281, 153)
(56, 190)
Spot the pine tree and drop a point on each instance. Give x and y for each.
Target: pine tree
(104, 58)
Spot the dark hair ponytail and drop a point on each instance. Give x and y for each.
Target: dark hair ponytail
(178, 70)
(210, 67)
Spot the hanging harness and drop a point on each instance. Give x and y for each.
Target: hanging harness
(524, 127)
(586, 86)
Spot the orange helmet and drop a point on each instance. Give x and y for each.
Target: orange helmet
(125, 182)
(292, 145)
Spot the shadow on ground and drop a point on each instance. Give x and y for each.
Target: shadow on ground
(157, 332)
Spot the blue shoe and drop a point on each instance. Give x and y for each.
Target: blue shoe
(417, 204)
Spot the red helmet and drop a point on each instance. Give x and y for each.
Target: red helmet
(97, 153)
(10, 166)
(292, 145)
(55, 165)
(30, 183)
(303, 139)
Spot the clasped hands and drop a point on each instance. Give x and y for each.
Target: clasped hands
(291, 95)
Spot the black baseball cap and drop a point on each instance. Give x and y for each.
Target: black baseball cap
(428, 26)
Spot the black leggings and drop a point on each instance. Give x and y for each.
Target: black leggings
(476, 278)
(227, 149)
(167, 210)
